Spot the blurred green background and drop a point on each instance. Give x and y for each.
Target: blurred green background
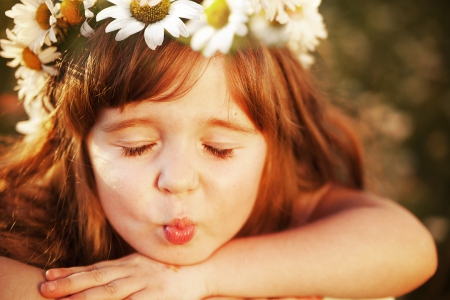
(390, 59)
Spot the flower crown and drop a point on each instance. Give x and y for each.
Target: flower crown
(41, 26)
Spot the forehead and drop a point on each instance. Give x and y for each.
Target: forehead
(207, 98)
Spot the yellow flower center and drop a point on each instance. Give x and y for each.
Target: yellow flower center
(218, 13)
(149, 14)
(31, 60)
(73, 11)
(43, 15)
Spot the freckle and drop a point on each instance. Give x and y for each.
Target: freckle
(173, 268)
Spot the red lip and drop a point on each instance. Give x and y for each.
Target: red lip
(179, 231)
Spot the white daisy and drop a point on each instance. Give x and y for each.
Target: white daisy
(215, 31)
(37, 114)
(272, 34)
(30, 90)
(33, 72)
(32, 75)
(132, 16)
(35, 22)
(30, 61)
(276, 9)
(305, 27)
(30, 87)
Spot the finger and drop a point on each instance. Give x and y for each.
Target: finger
(300, 298)
(115, 290)
(57, 273)
(229, 298)
(81, 281)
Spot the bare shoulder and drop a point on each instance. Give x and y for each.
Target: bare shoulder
(19, 280)
(340, 198)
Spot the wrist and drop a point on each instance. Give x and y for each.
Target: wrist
(206, 272)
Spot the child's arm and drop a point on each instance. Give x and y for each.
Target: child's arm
(19, 281)
(355, 246)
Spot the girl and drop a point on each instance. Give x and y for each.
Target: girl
(160, 173)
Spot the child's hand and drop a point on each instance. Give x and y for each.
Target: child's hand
(131, 277)
(289, 298)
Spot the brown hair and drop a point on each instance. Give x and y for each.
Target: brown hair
(49, 212)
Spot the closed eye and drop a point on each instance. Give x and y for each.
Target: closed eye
(137, 151)
(220, 153)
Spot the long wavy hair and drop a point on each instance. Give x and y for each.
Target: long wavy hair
(50, 214)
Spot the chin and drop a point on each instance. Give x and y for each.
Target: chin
(183, 257)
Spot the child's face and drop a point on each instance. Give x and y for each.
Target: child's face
(198, 158)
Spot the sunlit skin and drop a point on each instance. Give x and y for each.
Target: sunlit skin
(198, 157)
(196, 162)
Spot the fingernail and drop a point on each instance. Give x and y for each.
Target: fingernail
(50, 286)
(53, 273)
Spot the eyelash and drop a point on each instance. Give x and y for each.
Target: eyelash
(220, 153)
(138, 151)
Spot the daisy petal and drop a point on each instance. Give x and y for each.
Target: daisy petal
(10, 35)
(53, 20)
(170, 24)
(14, 63)
(117, 24)
(181, 10)
(238, 18)
(201, 36)
(221, 41)
(52, 36)
(89, 14)
(10, 14)
(182, 28)
(194, 25)
(154, 35)
(28, 127)
(115, 12)
(241, 29)
(88, 3)
(86, 30)
(129, 29)
(50, 70)
(49, 55)
(188, 4)
(226, 40)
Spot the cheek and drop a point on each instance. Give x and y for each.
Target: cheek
(117, 189)
(239, 189)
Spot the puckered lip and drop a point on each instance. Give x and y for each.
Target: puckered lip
(179, 231)
(180, 223)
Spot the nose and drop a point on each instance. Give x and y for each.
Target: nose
(177, 174)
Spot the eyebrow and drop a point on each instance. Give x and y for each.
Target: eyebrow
(116, 126)
(235, 126)
(231, 125)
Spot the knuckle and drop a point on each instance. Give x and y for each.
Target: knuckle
(67, 282)
(97, 275)
(110, 288)
(92, 268)
(136, 258)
